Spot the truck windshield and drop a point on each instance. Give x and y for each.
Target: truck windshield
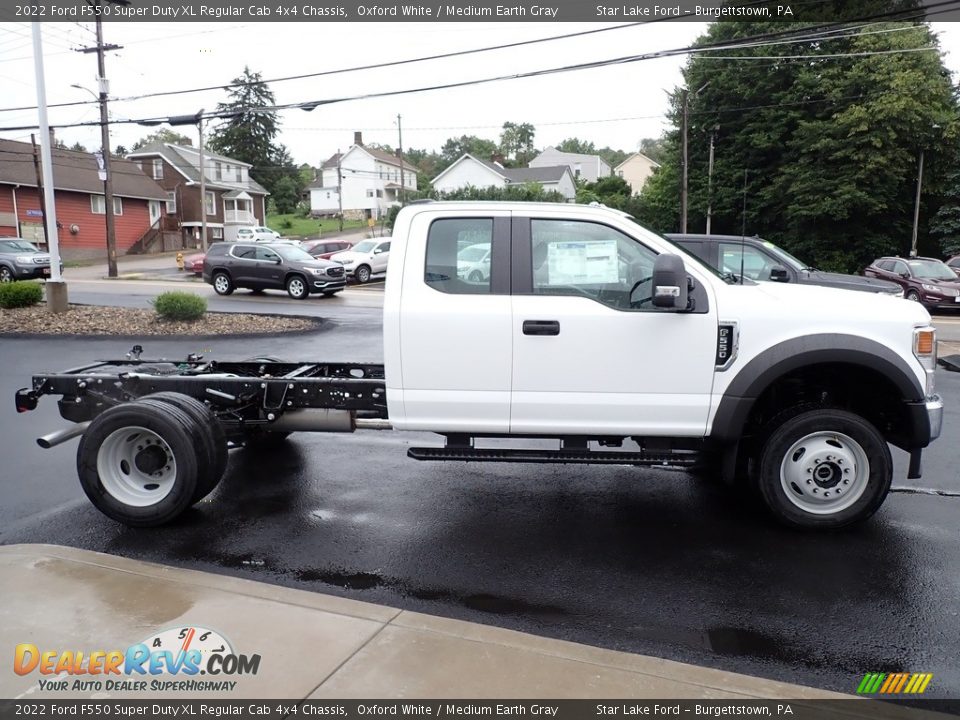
(786, 257)
(365, 246)
(728, 278)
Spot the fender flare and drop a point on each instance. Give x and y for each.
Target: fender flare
(760, 372)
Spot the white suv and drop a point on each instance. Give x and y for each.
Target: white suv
(365, 258)
(257, 234)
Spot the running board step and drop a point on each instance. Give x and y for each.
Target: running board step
(583, 457)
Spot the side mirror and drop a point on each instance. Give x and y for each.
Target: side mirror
(905, 275)
(277, 261)
(778, 273)
(378, 251)
(669, 282)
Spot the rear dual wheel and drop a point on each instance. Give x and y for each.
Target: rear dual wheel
(143, 463)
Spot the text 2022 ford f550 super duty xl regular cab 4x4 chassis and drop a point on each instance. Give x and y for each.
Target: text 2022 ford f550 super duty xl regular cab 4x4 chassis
(589, 330)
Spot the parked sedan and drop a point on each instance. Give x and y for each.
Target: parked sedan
(762, 260)
(264, 266)
(925, 280)
(194, 263)
(365, 258)
(22, 260)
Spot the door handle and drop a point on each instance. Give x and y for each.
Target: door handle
(541, 327)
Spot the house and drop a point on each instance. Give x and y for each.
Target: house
(363, 182)
(588, 167)
(469, 171)
(636, 169)
(78, 193)
(233, 200)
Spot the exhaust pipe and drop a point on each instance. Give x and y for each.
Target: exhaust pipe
(373, 424)
(313, 420)
(59, 437)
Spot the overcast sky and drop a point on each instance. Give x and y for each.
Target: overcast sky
(614, 106)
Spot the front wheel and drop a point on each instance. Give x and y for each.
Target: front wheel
(824, 469)
(297, 287)
(362, 274)
(222, 284)
(5, 274)
(912, 295)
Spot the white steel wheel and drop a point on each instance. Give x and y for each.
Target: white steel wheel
(138, 462)
(823, 468)
(824, 472)
(136, 466)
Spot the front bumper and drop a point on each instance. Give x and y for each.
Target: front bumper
(327, 285)
(28, 272)
(927, 422)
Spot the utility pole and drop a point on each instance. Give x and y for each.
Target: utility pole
(684, 123)
(56, 288)
(203, 187)
(916, 207)
(40, 191)
(103, 87)
(713, 134)
(403, 188)
(339, 191)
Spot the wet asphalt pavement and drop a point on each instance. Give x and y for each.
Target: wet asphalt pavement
(645, 561)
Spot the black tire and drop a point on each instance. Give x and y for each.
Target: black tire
(215, 440)
(120, 429)
(6, 275)
(912, 295)
(297, 287)
(222, 284)
(362, 274)
(811, 457)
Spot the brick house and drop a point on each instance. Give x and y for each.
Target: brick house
(138, 202)
(234, 199)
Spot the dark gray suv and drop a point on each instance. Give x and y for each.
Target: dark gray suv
(265, 266)
(762, 260)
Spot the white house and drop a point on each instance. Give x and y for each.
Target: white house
(368, 180)
(469, 171)
(636, 170)
(588, 167)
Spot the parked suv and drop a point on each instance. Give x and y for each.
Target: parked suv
(326, 248)
(22, 260)
(365, 258)
(762, 260)
(263, 266)
(258, 233)
(926, 280)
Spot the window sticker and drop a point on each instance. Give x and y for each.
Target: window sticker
(577, 263)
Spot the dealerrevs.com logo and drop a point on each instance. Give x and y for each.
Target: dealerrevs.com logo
(171, 660)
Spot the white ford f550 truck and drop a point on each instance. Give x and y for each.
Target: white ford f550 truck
(586, 329)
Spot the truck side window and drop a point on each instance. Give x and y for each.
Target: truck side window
(571, 257)
(458, 255)
(756, 265)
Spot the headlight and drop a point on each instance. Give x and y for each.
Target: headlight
(25, 260)
(937, 290)
(318, 271)
(925, 350)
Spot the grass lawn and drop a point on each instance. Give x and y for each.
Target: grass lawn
(309, 227)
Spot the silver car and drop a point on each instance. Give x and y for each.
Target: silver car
(22, 260)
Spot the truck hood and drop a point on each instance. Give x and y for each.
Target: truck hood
(827, 305)
(849, 282)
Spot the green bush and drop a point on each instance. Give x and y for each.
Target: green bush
(21, 293)
(286, 224)
(179, 306)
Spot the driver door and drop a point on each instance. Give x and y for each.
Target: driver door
(591, 355)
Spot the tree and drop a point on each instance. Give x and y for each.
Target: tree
(516, 142)
(653, 148)
(820, 150)
(576, 145)
(161, 136)
(286, 195)
(945, 224)
(248, 129)
(454, 148)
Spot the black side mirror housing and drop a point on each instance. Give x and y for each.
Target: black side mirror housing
(670, 285)
(778, 273)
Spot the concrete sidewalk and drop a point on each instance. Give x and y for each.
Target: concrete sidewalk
(319, 646)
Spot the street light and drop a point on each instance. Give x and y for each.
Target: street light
(105, 175)
(197, 120)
